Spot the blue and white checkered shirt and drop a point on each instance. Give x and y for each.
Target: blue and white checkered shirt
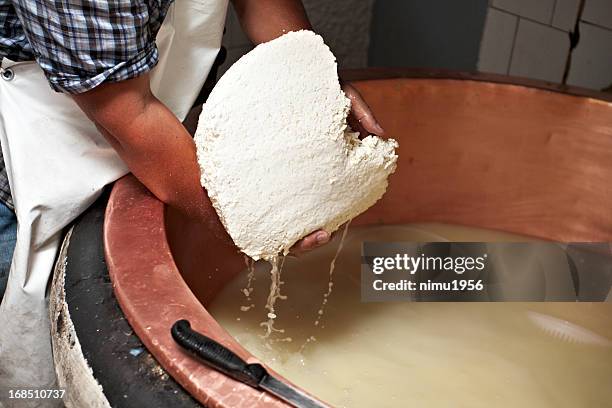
(80, 44)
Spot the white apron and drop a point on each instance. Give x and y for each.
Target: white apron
(57, 164)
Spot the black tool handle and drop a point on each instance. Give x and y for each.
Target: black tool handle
(216, 355)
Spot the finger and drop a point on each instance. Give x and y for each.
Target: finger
(357, 126)
(362, 113)
(310, 242)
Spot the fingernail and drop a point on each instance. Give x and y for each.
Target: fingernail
(379, 130)
(322, 237)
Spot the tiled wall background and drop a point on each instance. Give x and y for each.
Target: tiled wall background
(345, 25)
(531, 38)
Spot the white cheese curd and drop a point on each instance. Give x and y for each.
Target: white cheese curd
(278, 160)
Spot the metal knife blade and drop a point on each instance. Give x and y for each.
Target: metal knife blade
(289, 394)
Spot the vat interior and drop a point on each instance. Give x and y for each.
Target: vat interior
(496, 156)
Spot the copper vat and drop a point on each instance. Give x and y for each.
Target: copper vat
(485, 151)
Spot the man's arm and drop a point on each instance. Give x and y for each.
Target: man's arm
(265, 20)
(150, 140)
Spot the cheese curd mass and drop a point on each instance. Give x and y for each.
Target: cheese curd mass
(402, 354)
(277, 158)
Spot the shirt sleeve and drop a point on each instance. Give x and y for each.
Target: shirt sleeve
(81, 44)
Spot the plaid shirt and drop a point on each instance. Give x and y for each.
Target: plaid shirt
(80, 44)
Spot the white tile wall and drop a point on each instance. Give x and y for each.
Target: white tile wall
(565, 14)
(540, 52)
(598, 12)
(497, 42)
(539, 10)
(592, 59)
